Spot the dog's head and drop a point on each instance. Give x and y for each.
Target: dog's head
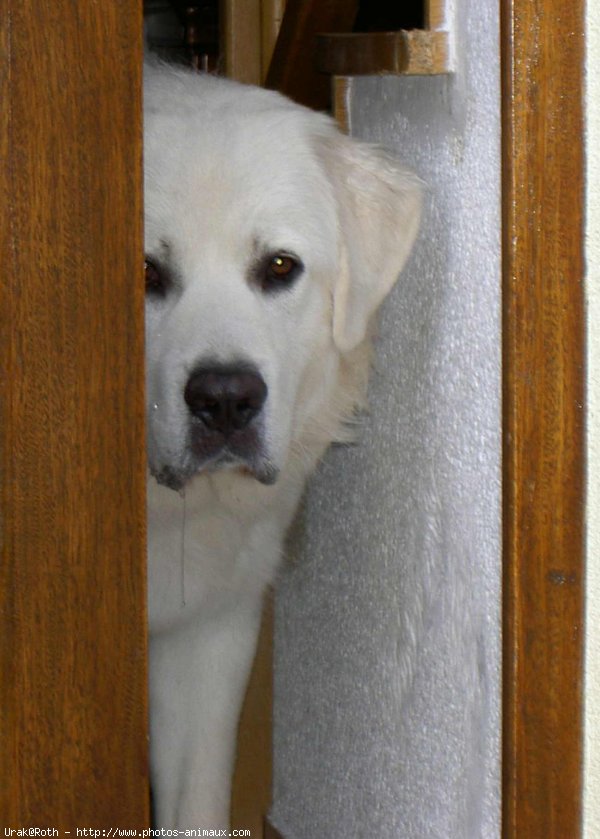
(271, 239)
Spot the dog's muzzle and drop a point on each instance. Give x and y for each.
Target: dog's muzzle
(225, 405)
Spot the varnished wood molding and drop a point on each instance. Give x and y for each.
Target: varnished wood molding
(73, 680)
(544, 403)
(418, 52)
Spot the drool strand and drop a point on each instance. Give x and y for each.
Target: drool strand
(182, 546)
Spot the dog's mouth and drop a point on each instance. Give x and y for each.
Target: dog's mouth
(250, 465)
(259, 468)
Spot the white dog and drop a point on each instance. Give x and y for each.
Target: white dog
(271, 239)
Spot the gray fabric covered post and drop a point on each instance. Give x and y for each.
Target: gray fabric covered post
(387, 643)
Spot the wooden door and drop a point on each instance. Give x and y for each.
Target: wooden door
(73, 727)
(544, 404)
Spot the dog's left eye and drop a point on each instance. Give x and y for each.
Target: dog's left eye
(279, 271)
(156, 281)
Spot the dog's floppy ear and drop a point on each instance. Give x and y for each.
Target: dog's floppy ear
(379, 206)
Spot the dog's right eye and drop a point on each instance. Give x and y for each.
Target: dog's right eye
(278, 271)
(157, 282)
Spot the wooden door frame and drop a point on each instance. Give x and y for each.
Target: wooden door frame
(73, 683)
(544, 417)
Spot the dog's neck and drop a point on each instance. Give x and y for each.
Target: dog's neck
(221, 536)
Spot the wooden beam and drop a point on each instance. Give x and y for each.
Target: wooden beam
(241, 39)
(73, 723)
(271, 16)
(544, 405)
(293, 69)
(418, 52)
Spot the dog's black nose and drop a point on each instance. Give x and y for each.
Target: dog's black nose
(225, 399)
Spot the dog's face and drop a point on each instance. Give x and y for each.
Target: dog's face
(251, 248)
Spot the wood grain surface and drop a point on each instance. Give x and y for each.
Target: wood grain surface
(542, 50)
(241, 40)
(293, 69)
(73, 724)
(416, 53)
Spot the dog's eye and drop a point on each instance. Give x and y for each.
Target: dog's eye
(279, 271)
(282, 266)
(156, 281)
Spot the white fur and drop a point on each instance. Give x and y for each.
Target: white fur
(233, 171)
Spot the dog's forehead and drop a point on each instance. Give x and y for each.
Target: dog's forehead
(216, 171)
(245, 155)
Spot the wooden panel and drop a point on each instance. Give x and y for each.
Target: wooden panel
(251, 793)
(271, 17)
(72, 577)
(293, 70)
(543, 418)
(402, 53)
(241, 37)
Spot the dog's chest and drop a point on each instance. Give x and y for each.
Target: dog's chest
(207, 550)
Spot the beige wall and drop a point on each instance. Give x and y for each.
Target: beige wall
(592, 737)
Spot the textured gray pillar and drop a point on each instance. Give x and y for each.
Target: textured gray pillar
(387, 674)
